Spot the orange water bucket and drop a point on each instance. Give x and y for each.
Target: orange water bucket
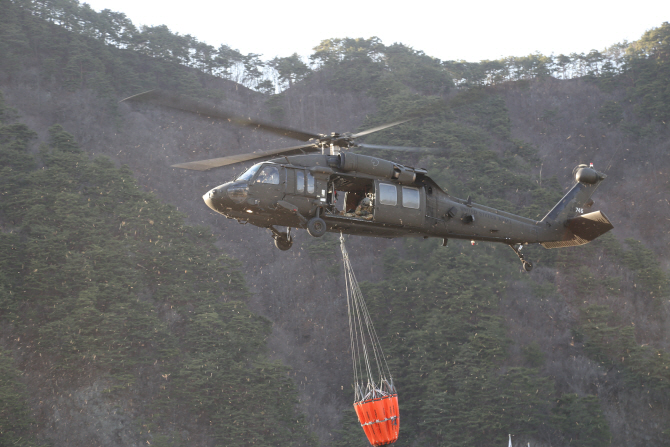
(380, 419)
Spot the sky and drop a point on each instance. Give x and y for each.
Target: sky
(448, 30)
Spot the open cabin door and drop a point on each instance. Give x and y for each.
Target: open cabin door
(399, 204)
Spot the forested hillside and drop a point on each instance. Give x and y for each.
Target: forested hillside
(132, 315)
(119, 301)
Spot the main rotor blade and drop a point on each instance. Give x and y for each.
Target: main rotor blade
(186, 104)
(204, 165)
(397, 148)
(378, 128)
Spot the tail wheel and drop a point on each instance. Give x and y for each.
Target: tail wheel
(527, 266)
(316, 227)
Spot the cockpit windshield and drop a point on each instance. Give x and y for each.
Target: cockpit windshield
(249, 173)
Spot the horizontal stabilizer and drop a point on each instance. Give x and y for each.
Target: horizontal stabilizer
(583, 229)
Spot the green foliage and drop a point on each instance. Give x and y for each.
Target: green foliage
(648, 62)
(542, 289)
(290, 69)
(585, 280)
(274, 106)
(606, 338)
(333, 51)
(62, 141)
(612, 343)
(351, 434)
(326, 246)
(524, 150)
(366, 65)
(14, 44)
(649, 273)
(89, 49)
(100, 277)
(486, 406)
(612, 285)
(533, 354)
(436, 310)
(14, 144)
(416, 70)
(92, 267)
(356, 62)
(435, 315)
(224, 381)
(79, 48)
(549, 116)
(611, 113)
(15, 419)
(326, 250)
(650, 282)
(581, 420)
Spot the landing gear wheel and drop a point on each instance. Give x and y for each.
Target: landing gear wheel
(284, 242)
(316, 227)
(527, 266)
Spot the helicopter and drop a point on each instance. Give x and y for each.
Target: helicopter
(301, 187)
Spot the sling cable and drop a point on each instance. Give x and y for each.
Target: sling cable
(375, 396)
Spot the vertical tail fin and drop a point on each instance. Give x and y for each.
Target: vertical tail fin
(574, 202)
(567, 224)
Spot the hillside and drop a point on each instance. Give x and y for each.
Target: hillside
(575, 353)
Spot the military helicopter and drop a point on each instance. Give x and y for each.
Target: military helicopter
(301, 187)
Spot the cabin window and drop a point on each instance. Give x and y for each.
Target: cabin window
(299, 181)
(411, 198)
(269, 174)
(310, 183)
(388, 194)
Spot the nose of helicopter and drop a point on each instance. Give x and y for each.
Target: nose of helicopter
(215, 197)
(227, 196)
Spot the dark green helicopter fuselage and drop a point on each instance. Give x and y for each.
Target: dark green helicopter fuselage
(291, 190)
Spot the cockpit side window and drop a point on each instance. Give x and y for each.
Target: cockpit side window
(269, 174)
(249, 173)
